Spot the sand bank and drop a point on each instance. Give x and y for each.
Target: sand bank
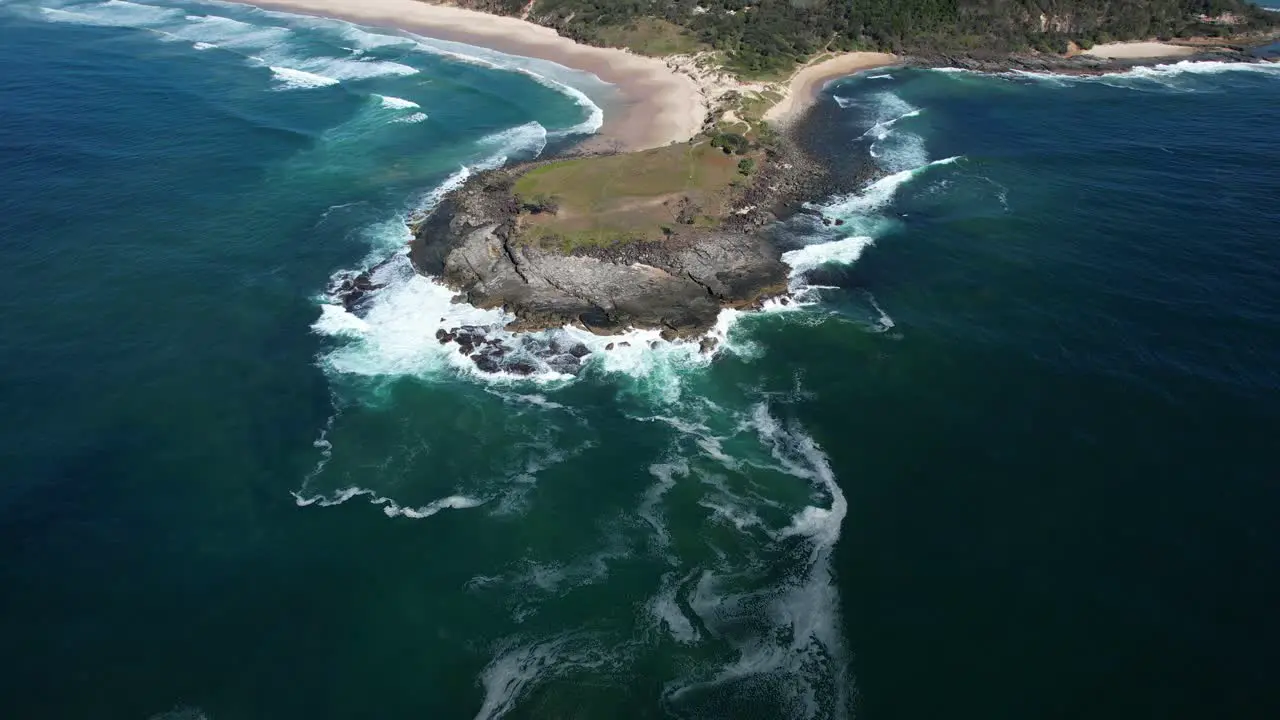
(1139, 50)
(656, 105)
(804, 86)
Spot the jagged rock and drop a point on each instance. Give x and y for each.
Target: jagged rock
(487, 363)
(520, 368)
(609, 346)
(707, 345)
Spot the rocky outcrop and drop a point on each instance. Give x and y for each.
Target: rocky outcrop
(677, 285)
(1067, 65)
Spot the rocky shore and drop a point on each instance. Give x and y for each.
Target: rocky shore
(677, 285)
(1079, 64)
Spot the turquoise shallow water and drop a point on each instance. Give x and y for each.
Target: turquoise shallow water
(1013, 458)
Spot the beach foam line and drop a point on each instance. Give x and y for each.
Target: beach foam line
(595, 114)
(495, 60)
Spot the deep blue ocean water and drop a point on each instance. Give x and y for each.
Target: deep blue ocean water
(1013, 457)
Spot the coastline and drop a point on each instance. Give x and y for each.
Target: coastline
(657, 105)
(804, 86)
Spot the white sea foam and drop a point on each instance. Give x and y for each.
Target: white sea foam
(203, 46)
(397, 335)
(396, 103)
(411, 119)
(786, 635)
(884, 322)
(348, 69)
(860, 213)
(516, 668)
(510, 673)
(881, 129)
(290, 79)
(228, 33)
(389, 506)
(113, 13)
(595, 115)
(881, 192)
(809, 257)
(365, 40)
(665, 609)
(527, 139)
(428, 201)
(882, 76)
(892, 148)
(665, 473)
(540, 71)
(1164, 76)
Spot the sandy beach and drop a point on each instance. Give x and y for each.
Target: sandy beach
(657, 105)
(805, 85)
(1139, 50)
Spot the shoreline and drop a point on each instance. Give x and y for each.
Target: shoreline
(806, 84)
(661, 101)
(656, 105)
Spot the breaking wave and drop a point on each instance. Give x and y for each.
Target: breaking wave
(291, 79)
(396, 103)
(861, 221)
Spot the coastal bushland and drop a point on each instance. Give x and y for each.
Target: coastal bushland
(760, 37)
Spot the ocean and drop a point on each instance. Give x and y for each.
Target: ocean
(1010, 456)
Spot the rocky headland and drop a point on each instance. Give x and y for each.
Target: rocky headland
(677, 284)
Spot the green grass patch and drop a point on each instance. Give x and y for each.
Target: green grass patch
(607, 200)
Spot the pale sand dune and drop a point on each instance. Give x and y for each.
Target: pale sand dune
(657, 105)
(1138, 50)
(803, 88)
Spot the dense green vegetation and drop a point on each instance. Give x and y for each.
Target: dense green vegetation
(760, 36)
